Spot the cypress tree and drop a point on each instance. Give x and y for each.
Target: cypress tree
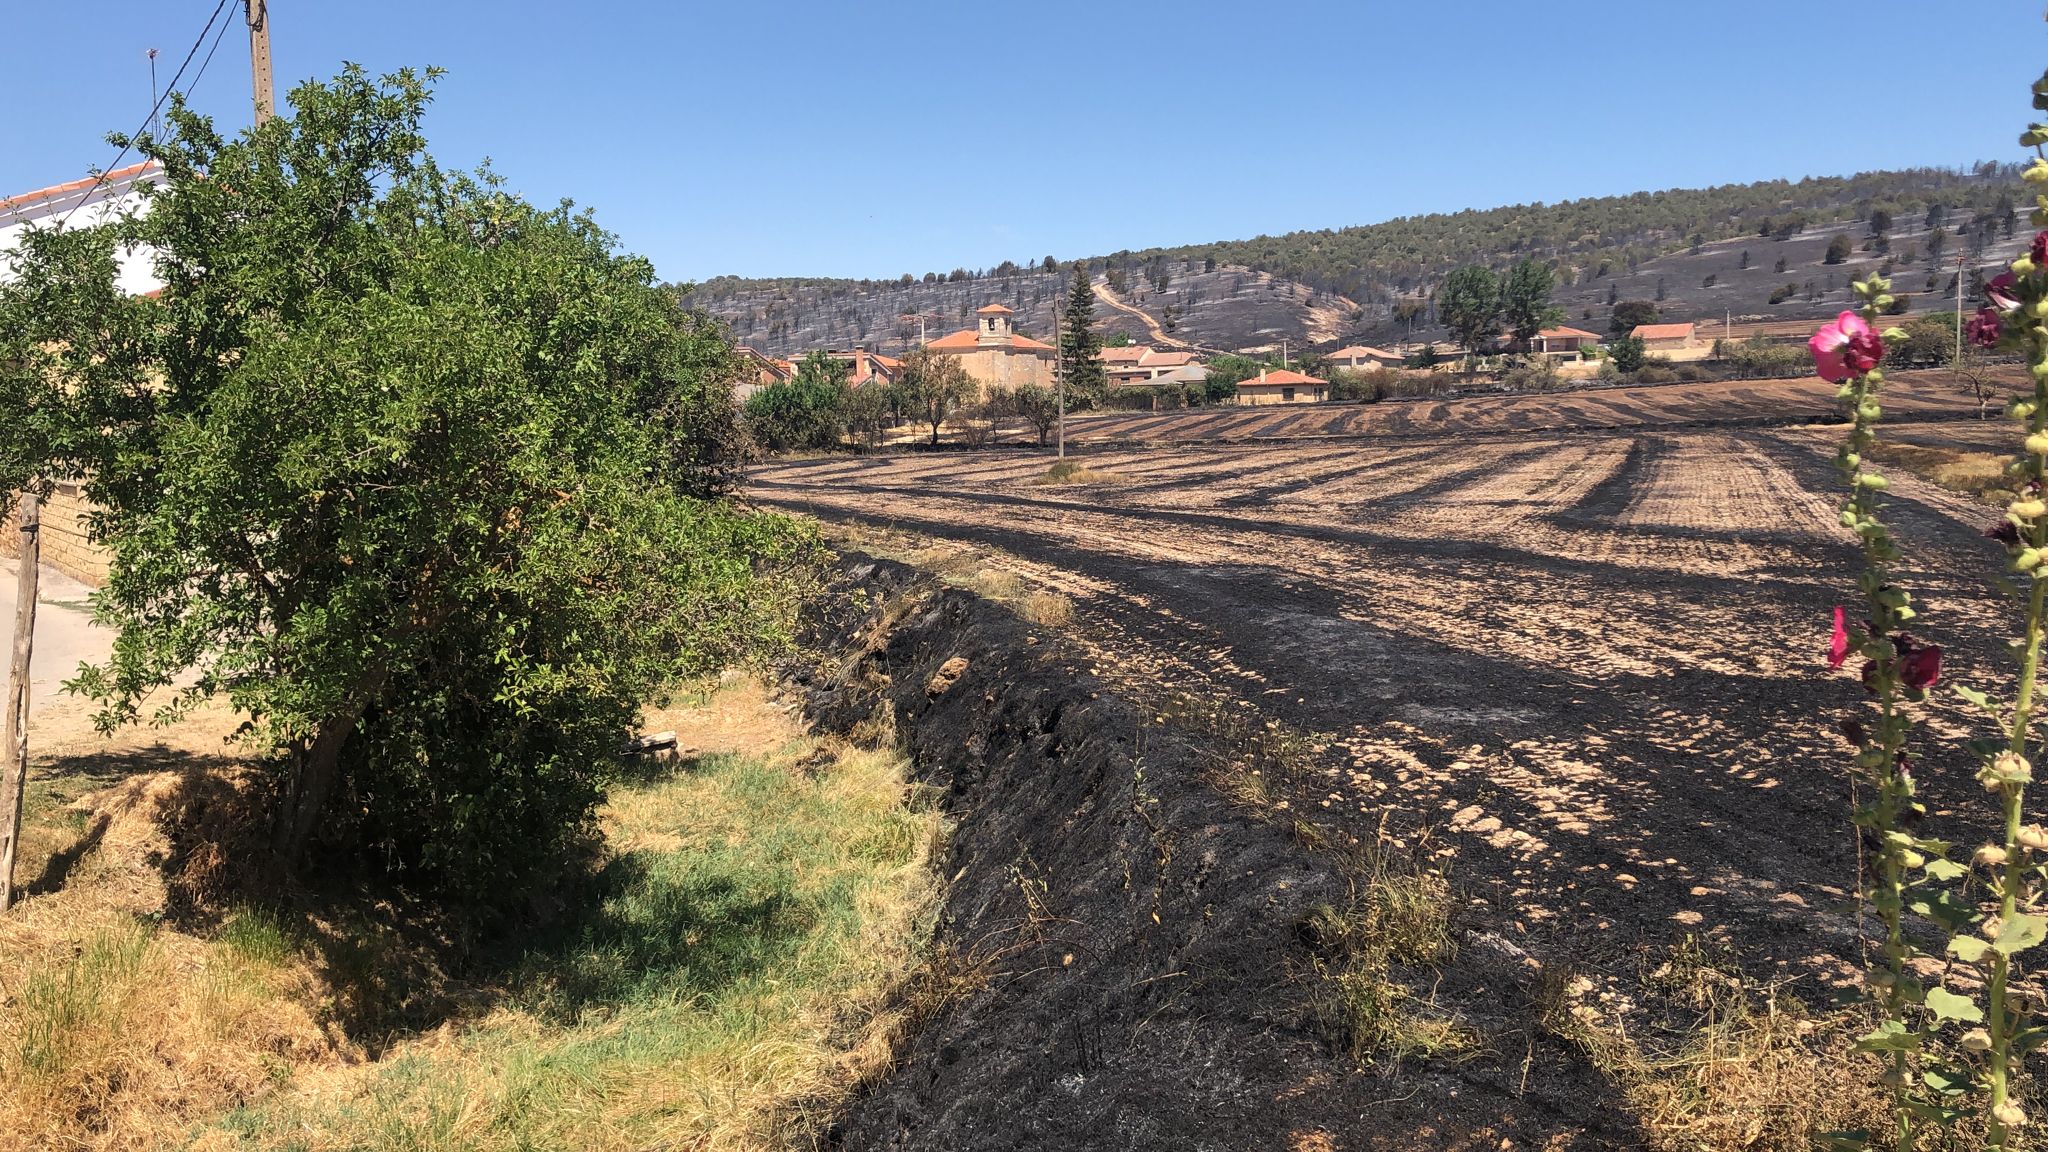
(1078, 343)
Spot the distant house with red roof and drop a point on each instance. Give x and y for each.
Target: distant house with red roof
(1364, 356)
(1666, 338)
(863, 366)
(995, 354)
(1281, 386)
(1141, 363)
(1562, 341)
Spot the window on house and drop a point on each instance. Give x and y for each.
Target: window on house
(1287, 394)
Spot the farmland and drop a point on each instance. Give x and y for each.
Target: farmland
(1585, 661)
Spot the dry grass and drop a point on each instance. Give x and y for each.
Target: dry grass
(1075, 472)
(1752, 1070)
(1372, 958)
(1980, 474)
(961, 566)
(730, 980)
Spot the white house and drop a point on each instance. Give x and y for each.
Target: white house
(78, 204)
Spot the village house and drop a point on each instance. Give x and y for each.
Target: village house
(995, 355)
(81, 204)
(1281, 386)
(761, 370)
(1140, 363)
(863, 366)
(66, 541)
(1363, 356)
(1563, 342)
(1666, 338)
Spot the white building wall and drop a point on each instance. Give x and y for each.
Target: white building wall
(82, 207)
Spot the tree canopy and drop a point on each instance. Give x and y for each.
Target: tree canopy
(425, 480)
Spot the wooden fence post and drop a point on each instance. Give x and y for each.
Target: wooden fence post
(14, 724)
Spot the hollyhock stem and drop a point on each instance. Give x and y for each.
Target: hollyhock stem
(1880, 752)
(2012, 875)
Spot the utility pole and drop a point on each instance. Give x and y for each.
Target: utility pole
(259, 59)
(1958, 360)
(14, 725)
(1059, 382)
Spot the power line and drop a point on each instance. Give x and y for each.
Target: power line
(201, 74)
(144, 126)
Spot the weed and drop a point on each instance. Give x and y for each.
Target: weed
(1398, 919)
(1075, 472)
(1979, 474)
(1047, 609)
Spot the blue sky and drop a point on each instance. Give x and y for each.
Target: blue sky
(872, 138)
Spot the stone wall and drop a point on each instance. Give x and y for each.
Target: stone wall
(65, 544)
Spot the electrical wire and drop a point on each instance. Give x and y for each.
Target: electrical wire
(201, 74)
(144, 126)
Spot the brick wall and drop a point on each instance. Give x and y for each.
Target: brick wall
(64, 542)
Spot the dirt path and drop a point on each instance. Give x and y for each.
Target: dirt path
(1153, 332)
(65, 635)
(1587, 663)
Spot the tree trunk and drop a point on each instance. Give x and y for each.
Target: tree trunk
(14, 730)
(314, 772)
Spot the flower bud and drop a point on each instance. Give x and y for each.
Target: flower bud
(2028, 509)
(2005, 768)
(2009, 1115)
(2038, 443)
(1895, 1078)
(1977, 1040)
(1990, 856)
(2027, 559)
(1872, 481)
(2022, 267)
(2032, 837)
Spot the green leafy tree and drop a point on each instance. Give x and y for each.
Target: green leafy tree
(1469, 304)
(1630, 313)
(1080, 349)
(424, 480)
(1040, 408)
(931, 386)
(1626, 353)
(808, 410)
(1525, 299)
(1839, 249)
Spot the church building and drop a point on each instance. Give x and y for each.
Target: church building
(994, 355)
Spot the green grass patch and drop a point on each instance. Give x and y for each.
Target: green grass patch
(722, 987)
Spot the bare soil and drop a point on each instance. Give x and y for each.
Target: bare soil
(1586, 663)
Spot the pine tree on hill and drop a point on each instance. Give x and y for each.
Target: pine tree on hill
(1078, 343)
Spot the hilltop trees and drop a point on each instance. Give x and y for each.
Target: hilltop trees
(1839, 249)
(422, 479)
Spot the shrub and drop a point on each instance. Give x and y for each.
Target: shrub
(1839, 249)
(1366, 384)
(1758, 358)
(1626, 353)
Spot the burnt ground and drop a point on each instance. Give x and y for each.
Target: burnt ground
(1589, 662)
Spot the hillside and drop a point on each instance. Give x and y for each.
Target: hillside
(1374, 282)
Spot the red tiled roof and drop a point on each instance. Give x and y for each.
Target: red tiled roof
(967, 340)
(1167, 359)
(987, 309)
(1568, 333)
(1127, 354)
(57, 191)
(1661, 331)
(1357, 350)
(1280, 376)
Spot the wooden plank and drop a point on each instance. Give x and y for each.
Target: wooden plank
(14, 724)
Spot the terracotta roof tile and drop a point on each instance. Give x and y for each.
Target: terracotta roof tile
(1280, 376)
(1661, 331)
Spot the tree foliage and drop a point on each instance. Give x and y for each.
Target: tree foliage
(1628, 314)
(808, 410)
(1469, 304)
(1080, 350)
(1525, 299)
(932, 385)
(423, 479)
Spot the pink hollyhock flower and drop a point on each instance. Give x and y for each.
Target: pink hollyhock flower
(2040, 250)
(1919, 664)
(1985, 328)
(1838, 644)
(2003, 292)
(1845, 348)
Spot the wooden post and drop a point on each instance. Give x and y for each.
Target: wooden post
(14, 724)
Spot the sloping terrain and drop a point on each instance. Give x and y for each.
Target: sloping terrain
(1365, 283)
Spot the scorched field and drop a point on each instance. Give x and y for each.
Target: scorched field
(1585, 666)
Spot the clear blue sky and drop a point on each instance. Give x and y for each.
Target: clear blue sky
(873, 138)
